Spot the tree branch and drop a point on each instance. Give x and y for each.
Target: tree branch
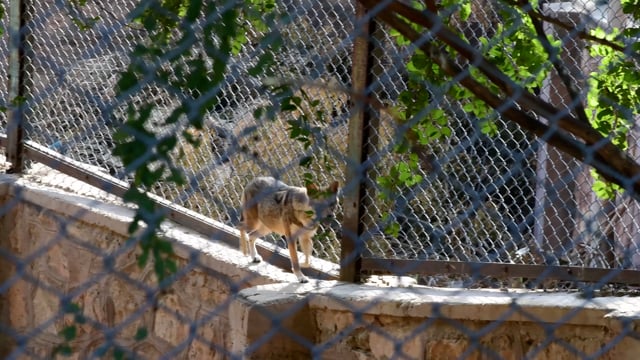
(574, 93)
(582, 34)
(597, 151)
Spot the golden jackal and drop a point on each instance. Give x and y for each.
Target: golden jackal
(269, 205)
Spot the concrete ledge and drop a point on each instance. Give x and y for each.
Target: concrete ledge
(485, 305)
(459, 304)
(343, 314)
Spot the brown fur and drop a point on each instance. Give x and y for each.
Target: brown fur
(271, 206)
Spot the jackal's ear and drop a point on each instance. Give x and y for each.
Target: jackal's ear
(312, 188)
(334, 187)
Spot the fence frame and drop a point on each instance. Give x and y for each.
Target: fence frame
(352, 262)
(357, 147)
(371, 265)
(18, 18)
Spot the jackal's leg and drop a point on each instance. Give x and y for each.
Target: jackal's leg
(293, 253)
(306, 243)
(244, 241)
(248, 243)
(253, 252)
(250, 230)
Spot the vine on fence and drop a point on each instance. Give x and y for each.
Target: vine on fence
(186, 52)
(614, 90)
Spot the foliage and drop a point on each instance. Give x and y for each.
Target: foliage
(307, 121)
(614, 90)
(68, 333)
(520, 50)
(514, 48)
(2, 14)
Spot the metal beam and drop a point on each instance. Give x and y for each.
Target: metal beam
(17, 93)
(357, 151)
(540, 272)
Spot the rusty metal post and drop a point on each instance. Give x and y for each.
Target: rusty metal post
(359, 147)
(18, 15)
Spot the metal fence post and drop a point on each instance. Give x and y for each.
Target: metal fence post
(18, 14)
(362, 117)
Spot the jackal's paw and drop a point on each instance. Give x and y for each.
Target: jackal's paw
(300, 276)
(305, 264)
(256, 259)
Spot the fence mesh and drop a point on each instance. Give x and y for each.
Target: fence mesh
(444, 180)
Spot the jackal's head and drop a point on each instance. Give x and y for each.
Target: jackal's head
(323, 202)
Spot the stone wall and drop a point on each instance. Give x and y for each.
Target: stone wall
(347, 321)
(73, 248)
(58, 248)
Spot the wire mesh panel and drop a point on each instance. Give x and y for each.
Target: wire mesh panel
(506, 190)
(75, 53)
(479, 188)
(78, 50)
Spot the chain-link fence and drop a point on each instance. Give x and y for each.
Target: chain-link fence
(487, 190)
(437, 186)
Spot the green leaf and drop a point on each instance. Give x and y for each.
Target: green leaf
(193, 10)
(259, 112)
(177, 177)
(167, 144)
(143, 258)
(69, 332)
(128, 80)
(141, 334)
(72, 308)
(63, 349)
(118, 353)
(306, 161)
(288, 105)
(159, 268)
(163, 246)
(392, 229)
(264, 61)
(465, 11)
(489, 127)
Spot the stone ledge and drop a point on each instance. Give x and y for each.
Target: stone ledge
(459, 304)
(341, 315)
(115, 217)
